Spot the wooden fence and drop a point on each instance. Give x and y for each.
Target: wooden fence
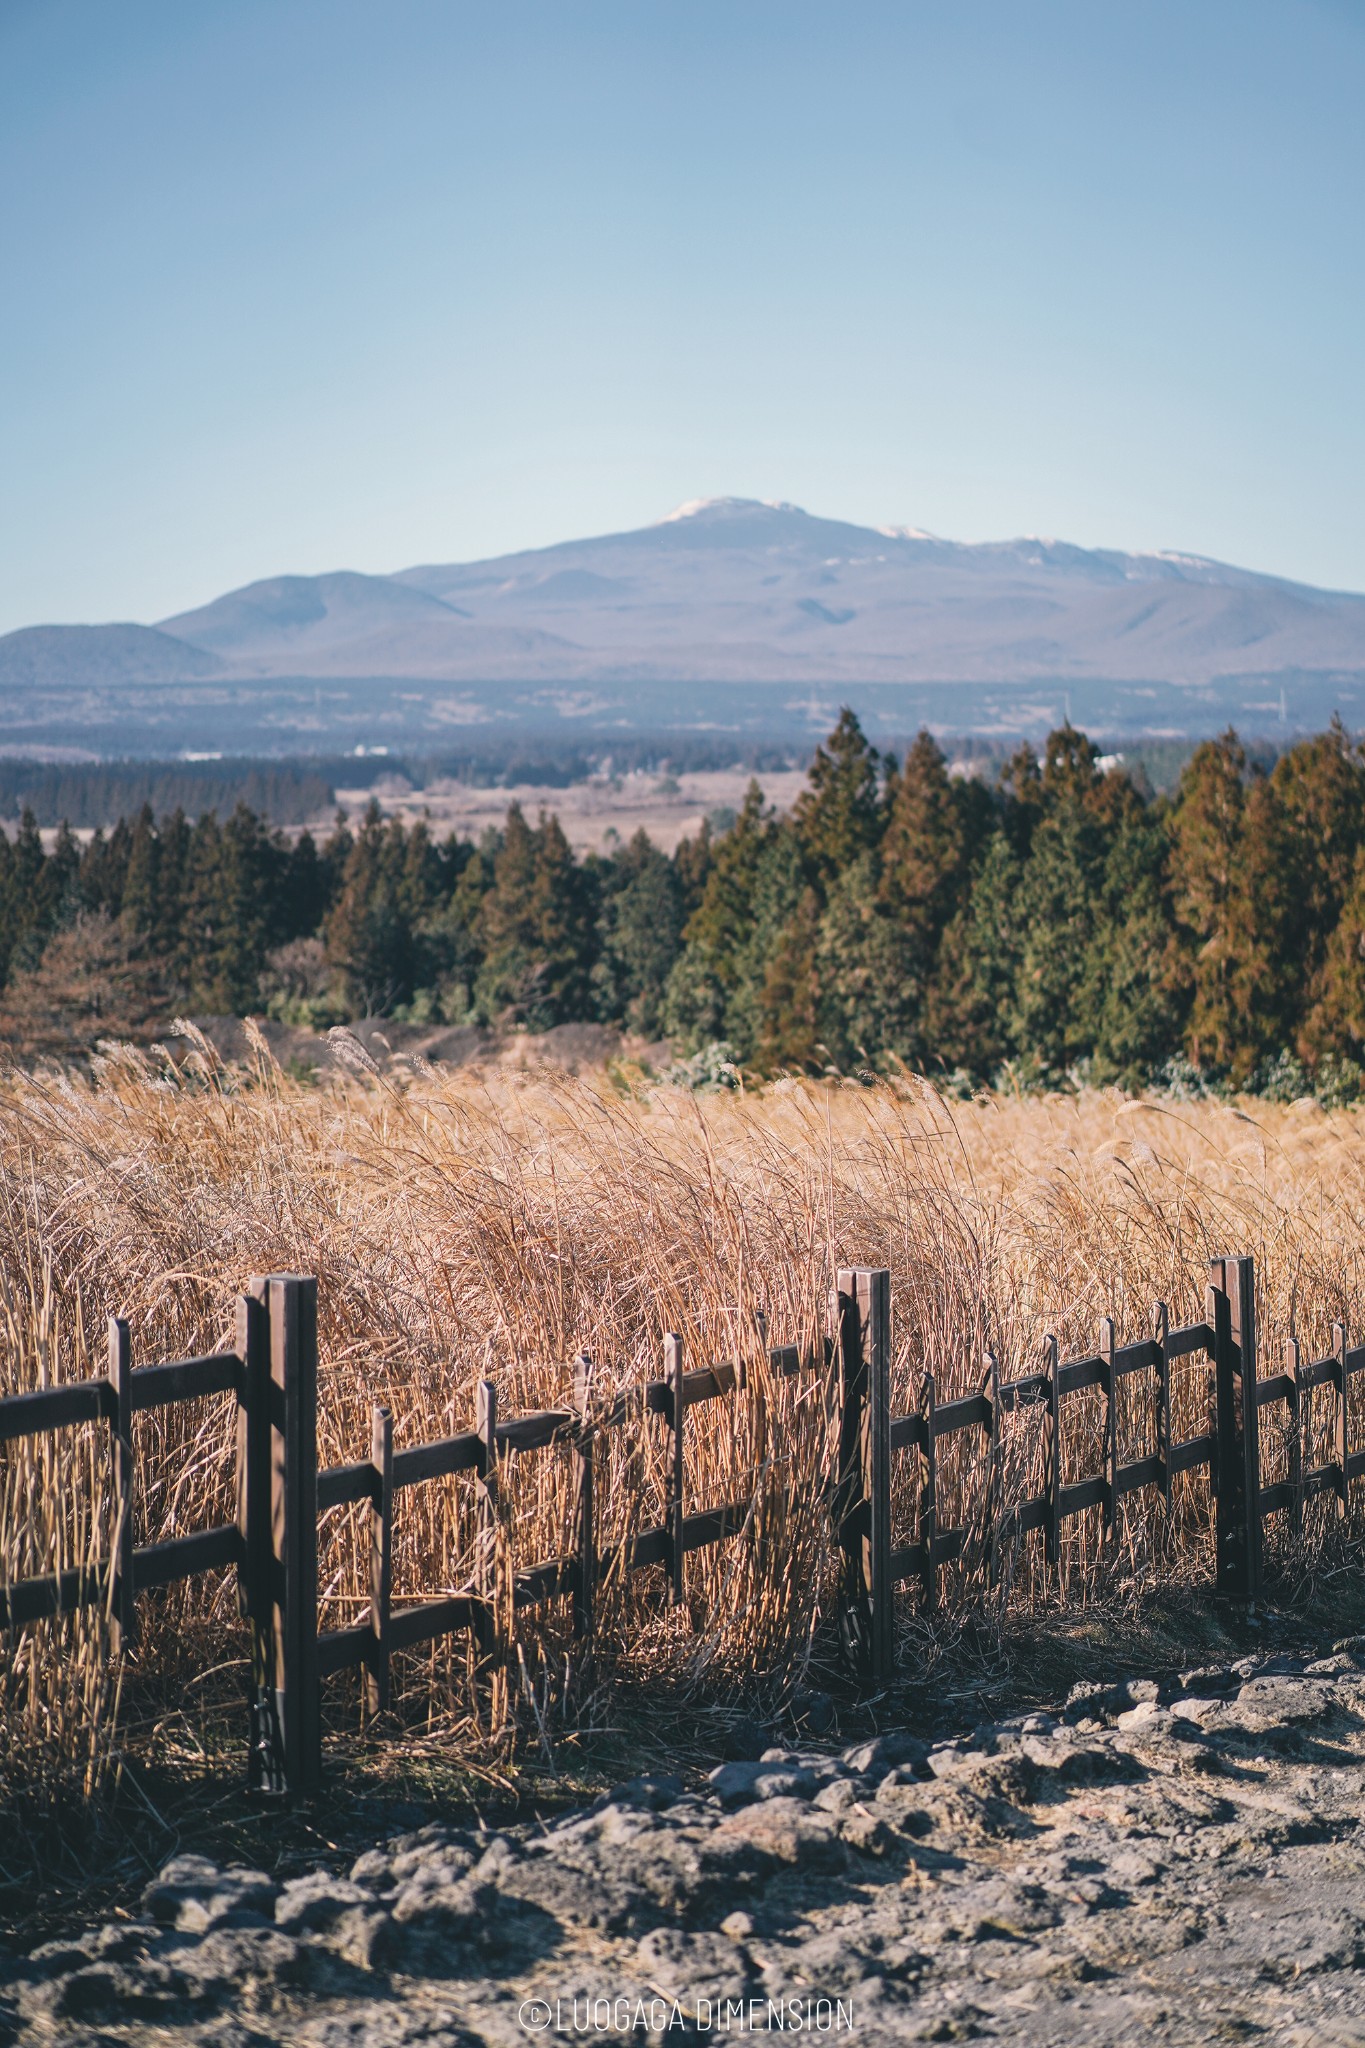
(272, 1374)
(1228, 1448)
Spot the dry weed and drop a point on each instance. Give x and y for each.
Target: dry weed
(485, 1224)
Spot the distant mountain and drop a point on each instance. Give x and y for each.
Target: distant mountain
(350, 625)
(45, 657)
(728, 589)
(729, 613)
(299, 612)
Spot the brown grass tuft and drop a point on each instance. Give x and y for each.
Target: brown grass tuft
(487, 1224)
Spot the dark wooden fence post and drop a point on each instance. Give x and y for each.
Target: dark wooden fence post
(289, 1748)
(123, 1607)
(1241, 1288)
(1224, 1470)
(1161, 1329)
(381, 1558)
(677, 1413)
(864, 1494)
(995, 1476)
(1237, 1466)
(849, 1392)
(585, 1535)
(1052, 1457)
(1111, 1426)
(874, 1307)
(254, 1569)
(1293, 1365)
(928, 1498)
(1342, 1444)
(486, 1622)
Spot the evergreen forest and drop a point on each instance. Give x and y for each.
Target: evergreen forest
(1057, 922)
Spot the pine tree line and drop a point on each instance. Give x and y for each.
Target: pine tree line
(89, 793)
(1059, 919)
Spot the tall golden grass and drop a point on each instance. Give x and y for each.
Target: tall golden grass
(474, 1224)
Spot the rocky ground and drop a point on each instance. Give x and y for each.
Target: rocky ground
(1174, 1862)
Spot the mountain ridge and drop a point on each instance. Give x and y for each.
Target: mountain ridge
(727, 612)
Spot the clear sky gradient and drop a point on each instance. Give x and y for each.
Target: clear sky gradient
(291, 285)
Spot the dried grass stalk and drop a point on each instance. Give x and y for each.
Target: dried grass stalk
(469, 1224)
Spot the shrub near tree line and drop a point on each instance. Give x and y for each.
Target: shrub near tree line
(1062, 922)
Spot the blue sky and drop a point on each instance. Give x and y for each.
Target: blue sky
(288, 285)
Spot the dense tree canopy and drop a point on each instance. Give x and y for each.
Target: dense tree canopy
(1059, 920)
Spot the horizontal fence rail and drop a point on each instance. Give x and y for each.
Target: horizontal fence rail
(271, 1375)
(124, 1392)
(576, 1575)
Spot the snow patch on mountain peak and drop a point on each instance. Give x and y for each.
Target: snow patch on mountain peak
(693, 508)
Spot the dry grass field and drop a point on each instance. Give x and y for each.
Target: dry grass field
(485, 1223)
(596, 814)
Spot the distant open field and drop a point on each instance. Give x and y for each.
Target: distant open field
(596, 814)
(481, 1223)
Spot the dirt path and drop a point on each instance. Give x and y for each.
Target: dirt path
(1182, 1866)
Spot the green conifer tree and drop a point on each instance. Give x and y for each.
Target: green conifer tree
(692, 860)
(788, 1032)
(451, 935)
(1056, 908)
(173, 863)
(924, 851)
(886, 915)
(140, 897)
(641, 930)
(103, 870)
(537, 923)
(972, 1007)
(870, 974)
(200, 926)
(26, 894)
(1263, 955)
(719, 933)
(1131, 1009)
(59, 891)
(838, 815)
(304, 900)
(1206, 842)
(1320, 785)
(1335, 1025)
(1020, 791)
(380, 900)
(9, 908)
